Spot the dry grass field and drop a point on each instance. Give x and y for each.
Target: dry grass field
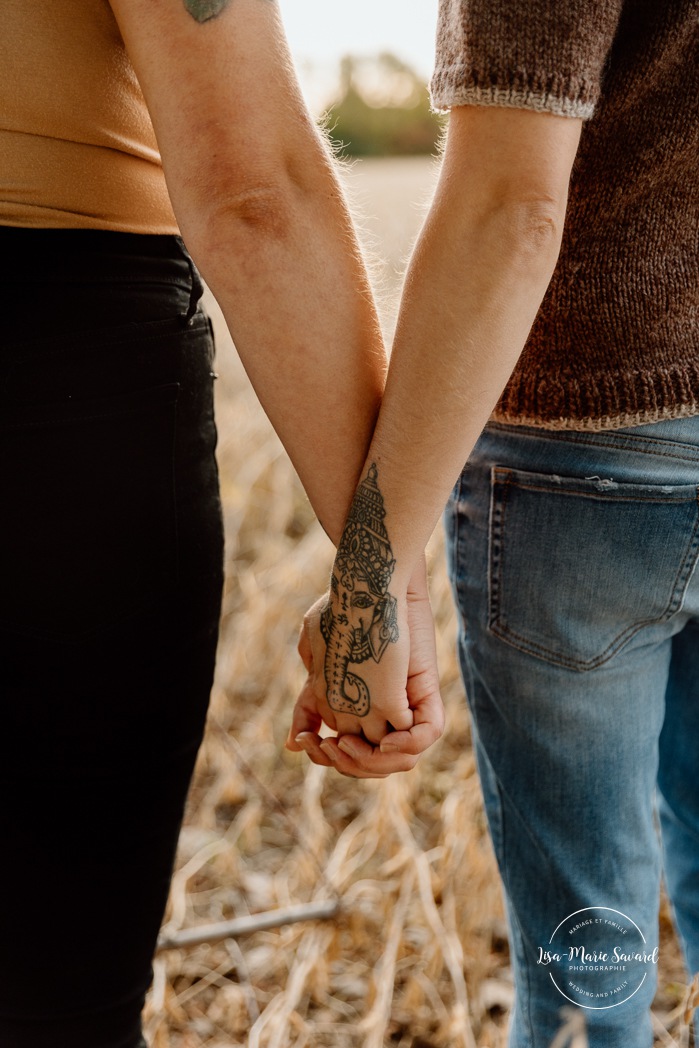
(416, 955)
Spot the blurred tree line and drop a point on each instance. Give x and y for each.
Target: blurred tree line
(383, 109)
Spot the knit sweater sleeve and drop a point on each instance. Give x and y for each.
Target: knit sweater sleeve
(546, 55)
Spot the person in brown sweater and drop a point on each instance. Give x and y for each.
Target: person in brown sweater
(124, 124)
(553, 299)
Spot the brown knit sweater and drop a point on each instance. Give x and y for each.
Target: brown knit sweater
(616, 340)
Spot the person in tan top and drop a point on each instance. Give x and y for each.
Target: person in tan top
(77, 145)
(128, 129)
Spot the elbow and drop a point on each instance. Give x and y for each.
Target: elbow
(531, 228)
(230, 211)
(515, 236)
(249, 195)
(263, 208)
(242, 228)
(542, 224)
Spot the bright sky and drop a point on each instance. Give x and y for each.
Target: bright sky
(321, 31)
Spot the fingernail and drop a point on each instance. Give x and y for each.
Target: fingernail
(347, 748)
(329, 752)
(387, 747)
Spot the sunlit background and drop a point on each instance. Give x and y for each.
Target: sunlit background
(321, 32)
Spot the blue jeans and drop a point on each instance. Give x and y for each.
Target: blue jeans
(572, 558)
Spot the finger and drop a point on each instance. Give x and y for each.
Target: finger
(314, 704)
(344, 764)
(310, 744)
(357, 758)
(373, 726)
(305, 718)
(428, 727)
(348, 724)
(302, 720)
(374, 731)
(415, 741)
(378, 723)
(383, 717)
(402, 720)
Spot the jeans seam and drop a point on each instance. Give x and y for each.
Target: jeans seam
(495, 541)
(609, 496)
(524, 969)
(515, 924)
(627, 442)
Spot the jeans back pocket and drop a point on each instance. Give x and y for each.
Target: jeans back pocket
(578, 566)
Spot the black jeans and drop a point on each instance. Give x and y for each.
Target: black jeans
(110, 583)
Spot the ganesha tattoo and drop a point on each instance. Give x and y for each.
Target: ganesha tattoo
(361, 617)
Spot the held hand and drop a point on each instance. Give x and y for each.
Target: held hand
(405, 713)
(352, 690)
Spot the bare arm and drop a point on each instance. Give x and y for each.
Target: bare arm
(478, 274)
(256, 195)
(474, 286)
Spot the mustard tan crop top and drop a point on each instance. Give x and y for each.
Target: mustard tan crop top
(77, 147)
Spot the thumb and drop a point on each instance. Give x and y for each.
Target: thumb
(302, 719)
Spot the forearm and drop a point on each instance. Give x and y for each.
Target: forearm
(469, 302)
(475, 282)
(286, 269)
(257, 198)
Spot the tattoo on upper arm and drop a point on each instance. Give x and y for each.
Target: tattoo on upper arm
(361, 617)
(203, 10)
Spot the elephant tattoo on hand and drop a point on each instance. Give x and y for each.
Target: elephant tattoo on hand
(360, 619)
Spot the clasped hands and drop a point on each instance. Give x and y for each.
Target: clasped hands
(372, 679)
